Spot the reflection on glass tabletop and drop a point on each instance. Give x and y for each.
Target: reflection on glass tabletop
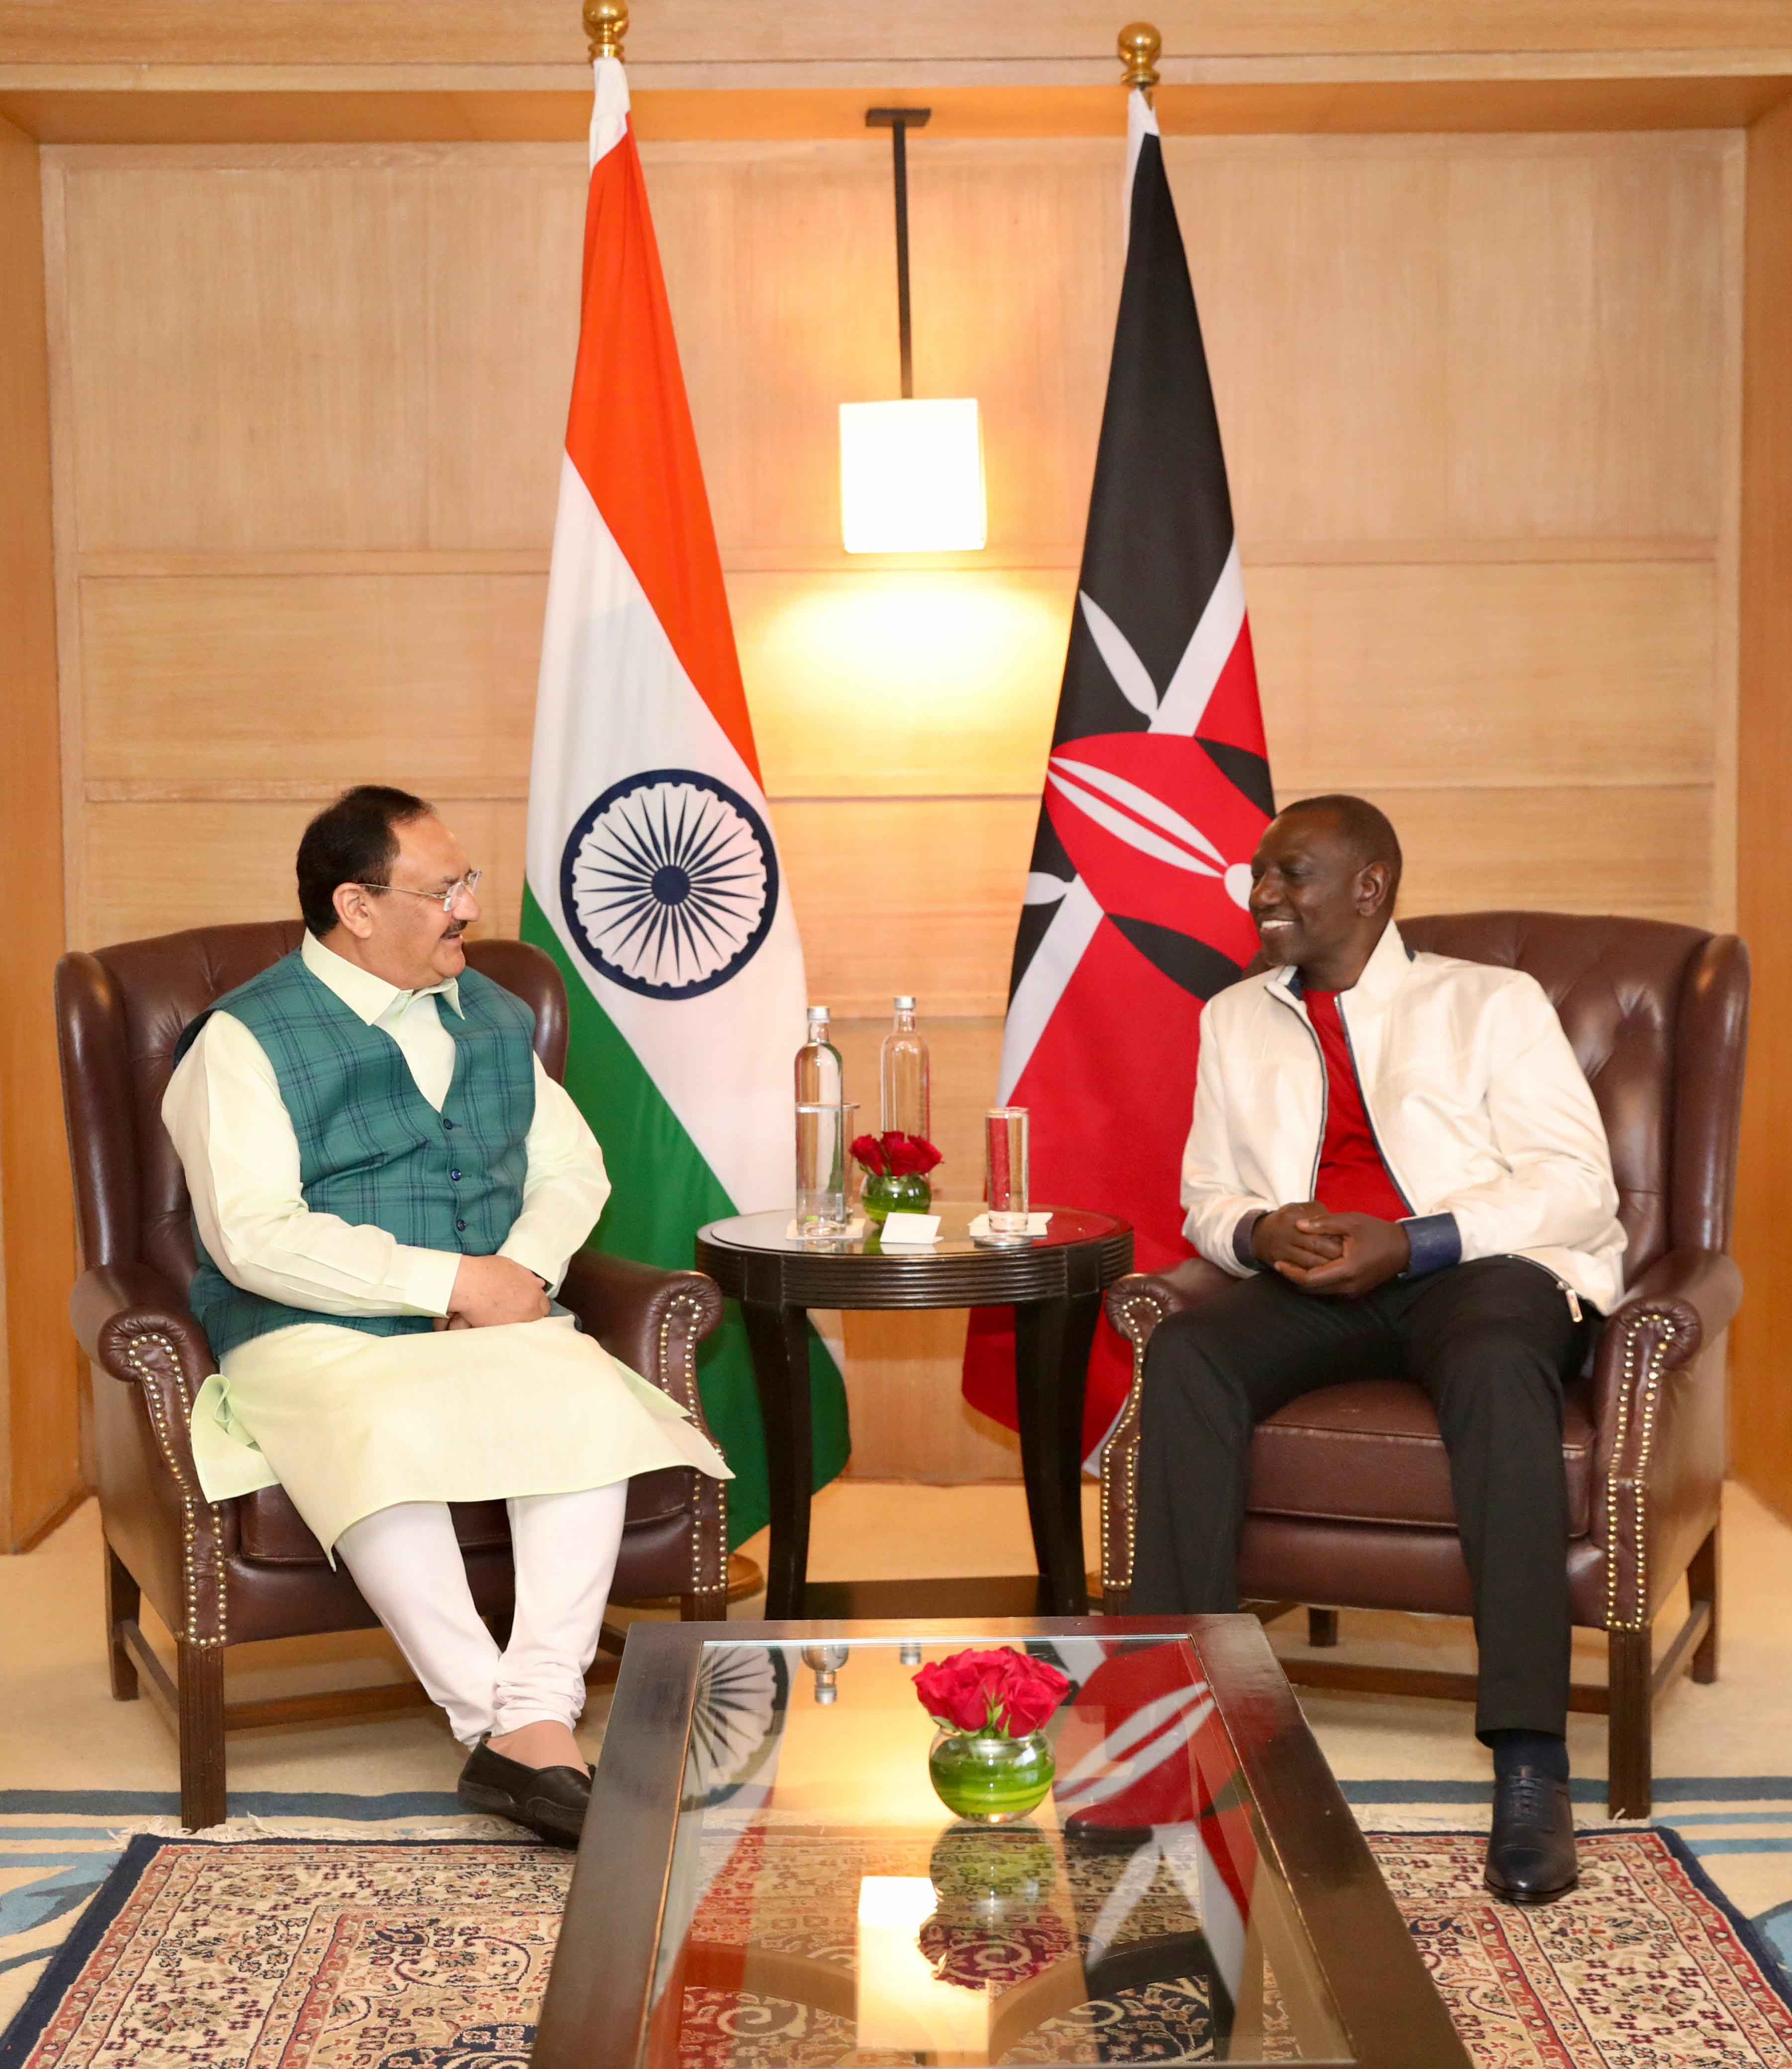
(774, 1232)
(826, 1907)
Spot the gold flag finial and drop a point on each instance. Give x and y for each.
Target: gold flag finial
(606, 24)
(1139, 45)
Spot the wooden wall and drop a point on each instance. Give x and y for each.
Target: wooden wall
(1762, 1400)
(38, 1439)
(1480, 398)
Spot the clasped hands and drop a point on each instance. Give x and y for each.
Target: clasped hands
(491, 1291)
(1339, 1256)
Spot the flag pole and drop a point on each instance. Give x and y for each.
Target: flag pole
(1140, 44)
(606, 24)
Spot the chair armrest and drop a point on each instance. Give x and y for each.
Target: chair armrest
(114, 1307)
(1137, 1304)
(652, 1321)
(135, 1326)
(1659, 1462)
(1684, 1300)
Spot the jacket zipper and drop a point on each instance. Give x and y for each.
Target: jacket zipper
(1325, 1095)
(1567, 1291)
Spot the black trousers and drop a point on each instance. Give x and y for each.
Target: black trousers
(1490, 1342)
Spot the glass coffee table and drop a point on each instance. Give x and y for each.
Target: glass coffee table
(768, 1880)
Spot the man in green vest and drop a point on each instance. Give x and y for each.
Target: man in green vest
(386, 1189)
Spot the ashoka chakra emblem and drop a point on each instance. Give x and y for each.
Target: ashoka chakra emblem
(668, 883)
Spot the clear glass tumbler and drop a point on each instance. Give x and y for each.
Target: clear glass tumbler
(1005, 1184)
(824, 1131)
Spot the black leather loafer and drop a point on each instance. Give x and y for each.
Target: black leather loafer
(1530, 1856)
(551, 1802)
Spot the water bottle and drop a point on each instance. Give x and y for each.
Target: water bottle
(902, 1076)
(820, 1131)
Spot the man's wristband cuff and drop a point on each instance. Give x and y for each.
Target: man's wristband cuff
(1435, 1242)
(1241, 1241)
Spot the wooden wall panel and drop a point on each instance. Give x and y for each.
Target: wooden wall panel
(1373, 311)
(1538, 673)
(249, 357)
(39, 1401)
(228, 685)
(1761, 1418)
(939, 684)
(503, 324)
(1473, 391)
(886, 34)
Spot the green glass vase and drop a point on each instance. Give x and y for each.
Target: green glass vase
(988, 1779)
(908, 1194)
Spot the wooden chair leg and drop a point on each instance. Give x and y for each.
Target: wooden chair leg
(1704, 1577)
(708, 1605)
(1629, 1762)
(1322, 1627)
(123, 1603)
(199, 1672)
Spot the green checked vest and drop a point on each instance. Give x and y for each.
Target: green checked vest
(370, 1148)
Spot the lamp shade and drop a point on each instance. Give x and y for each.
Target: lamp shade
(911, 477)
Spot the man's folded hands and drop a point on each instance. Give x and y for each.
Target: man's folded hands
(1338, 1256)
(490, 1291)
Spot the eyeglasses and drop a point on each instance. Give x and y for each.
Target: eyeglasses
(470, 884)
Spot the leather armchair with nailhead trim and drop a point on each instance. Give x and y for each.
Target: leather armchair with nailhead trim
(1350, 1503)
(228, 1572)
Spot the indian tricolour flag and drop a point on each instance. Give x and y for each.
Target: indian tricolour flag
(654, 878)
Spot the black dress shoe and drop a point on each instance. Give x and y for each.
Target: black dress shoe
(1530, 1856)
(550, 1801)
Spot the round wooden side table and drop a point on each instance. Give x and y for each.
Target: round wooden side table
(1053, 1283)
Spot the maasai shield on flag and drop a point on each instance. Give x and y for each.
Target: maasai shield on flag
(1156, 793)
(653, 877)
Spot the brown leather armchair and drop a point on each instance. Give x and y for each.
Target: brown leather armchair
(1349, 1497)
(224, 1574)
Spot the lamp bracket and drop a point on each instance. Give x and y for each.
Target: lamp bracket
(898, 121)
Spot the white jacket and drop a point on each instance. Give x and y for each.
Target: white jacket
(1484, 1117)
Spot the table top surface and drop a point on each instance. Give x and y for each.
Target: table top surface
(771, 1233)
(1180, 1893)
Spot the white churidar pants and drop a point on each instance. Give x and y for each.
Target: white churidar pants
(407, 1562)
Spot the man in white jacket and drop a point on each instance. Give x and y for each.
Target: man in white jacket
(1400, 1159)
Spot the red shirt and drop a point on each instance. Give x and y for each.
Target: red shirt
(1353, 1179)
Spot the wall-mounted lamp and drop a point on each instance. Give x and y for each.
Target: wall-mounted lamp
(912, 474)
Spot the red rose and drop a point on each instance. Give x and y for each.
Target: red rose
(908, 1155)
(995, 1688)
(869, 1152)
(953, 1694)
(1032, 1690)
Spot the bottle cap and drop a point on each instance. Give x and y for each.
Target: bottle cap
(819, 1013)
(905, 1005)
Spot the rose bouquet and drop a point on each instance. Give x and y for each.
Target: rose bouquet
(998, 1691)
(991, 1761)
(896, 1167)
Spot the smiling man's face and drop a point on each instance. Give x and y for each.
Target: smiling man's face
(1317, 903)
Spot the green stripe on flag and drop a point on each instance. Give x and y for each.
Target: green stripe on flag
(664, 1193)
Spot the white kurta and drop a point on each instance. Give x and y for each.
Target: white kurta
(348, 1422)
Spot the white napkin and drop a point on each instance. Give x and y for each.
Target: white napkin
(1036, 1224)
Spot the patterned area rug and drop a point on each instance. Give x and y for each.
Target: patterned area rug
(419, 1954)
